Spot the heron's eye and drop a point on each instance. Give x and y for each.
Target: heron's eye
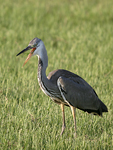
(34, 45)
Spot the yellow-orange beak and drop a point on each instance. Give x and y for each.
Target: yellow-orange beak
(29, 56)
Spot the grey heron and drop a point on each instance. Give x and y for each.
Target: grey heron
(64, 87)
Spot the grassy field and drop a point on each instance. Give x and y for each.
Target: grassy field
(78, 36)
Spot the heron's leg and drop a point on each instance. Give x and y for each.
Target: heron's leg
(63, 114)
(73, 109)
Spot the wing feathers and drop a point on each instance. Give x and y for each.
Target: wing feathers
(78, 94)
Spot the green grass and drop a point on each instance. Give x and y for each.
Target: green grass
(78, 36)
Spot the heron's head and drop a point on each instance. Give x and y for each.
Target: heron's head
(36, 45)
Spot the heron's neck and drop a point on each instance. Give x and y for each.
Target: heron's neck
(41, 69)
(42, 79)
(45, 84)
(43, 61)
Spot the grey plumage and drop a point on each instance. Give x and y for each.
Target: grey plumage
(77, 92)
(64, 87)
(34, 42)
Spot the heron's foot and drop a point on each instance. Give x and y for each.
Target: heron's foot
(63, 128)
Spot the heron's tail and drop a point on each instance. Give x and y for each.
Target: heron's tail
(103, 107)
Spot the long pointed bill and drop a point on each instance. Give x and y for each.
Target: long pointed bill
(29, 56)
(27, 48)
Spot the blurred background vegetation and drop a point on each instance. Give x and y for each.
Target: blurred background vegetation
(78, 36)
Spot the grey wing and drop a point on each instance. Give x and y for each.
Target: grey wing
(78, 93)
